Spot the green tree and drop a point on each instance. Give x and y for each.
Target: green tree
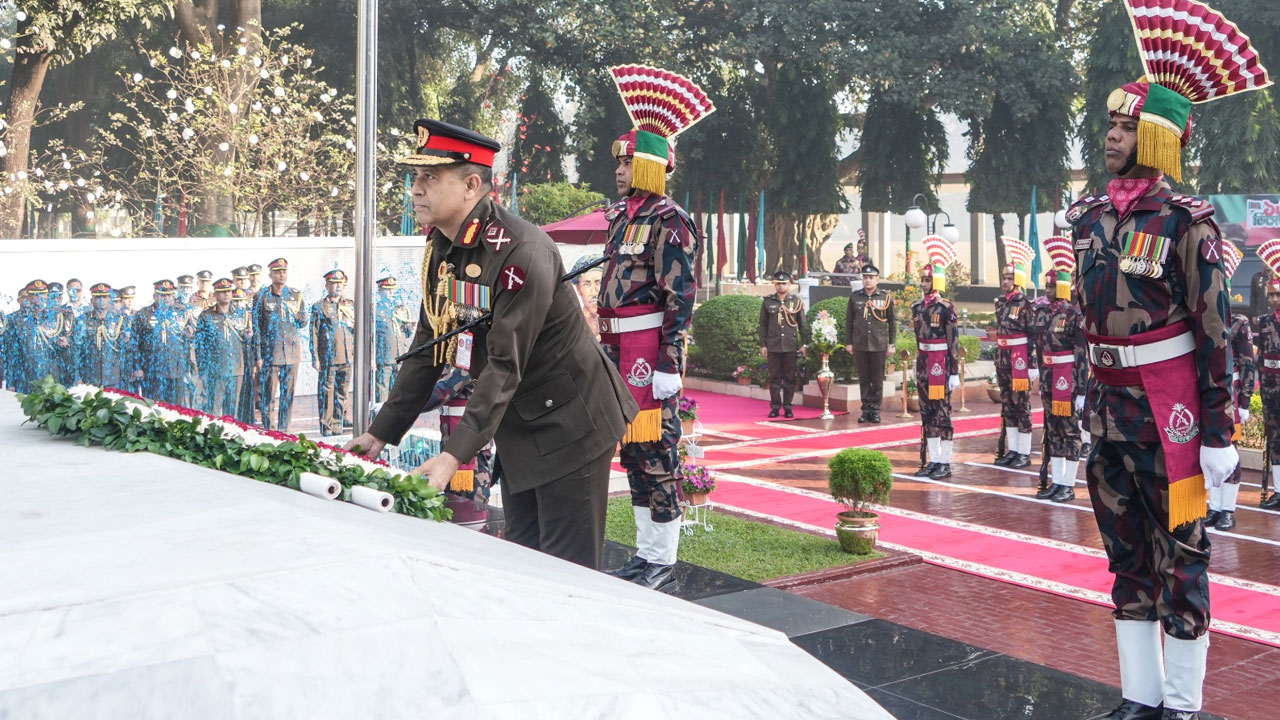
(48, 33)
(1112, 62)
(537, 154)
(542, 203)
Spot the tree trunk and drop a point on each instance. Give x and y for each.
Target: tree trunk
(819, 229)
(998, 221)
(24, 97)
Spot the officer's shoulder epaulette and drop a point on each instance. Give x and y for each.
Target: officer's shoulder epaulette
(613, 211)
(1198, 208)
(1084, 205)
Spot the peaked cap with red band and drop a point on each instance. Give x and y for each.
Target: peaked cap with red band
(661, 105)
(1191, 54)
(442, 143)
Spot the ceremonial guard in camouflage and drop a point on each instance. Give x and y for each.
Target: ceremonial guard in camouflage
(393, 322)
(161, 350)
(222, 335)
(1154, 295)
(332, 332)
(645, 305)
(870, 330)
(1060, 354)
(103, 337)
(937, 330)
(1244, 377)
(544, 390)
(279, 316)
(1267, 342)
(784, 332)
(1015, 348)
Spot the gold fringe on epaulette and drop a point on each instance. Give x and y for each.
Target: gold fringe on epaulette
(646, 427)
(649, 175)
(1021, 384)
(1188, 501)
(463, 481)
(937, 392)
(1061, 408)
(1160, 148)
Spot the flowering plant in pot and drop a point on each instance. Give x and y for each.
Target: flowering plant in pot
(698, 483)
(858, 478)
(688, 413)
(742, 375)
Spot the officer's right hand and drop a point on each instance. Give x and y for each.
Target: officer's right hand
(764, 352)
(369, 446)
(849, 349)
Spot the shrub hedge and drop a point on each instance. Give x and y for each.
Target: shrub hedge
(726, 334)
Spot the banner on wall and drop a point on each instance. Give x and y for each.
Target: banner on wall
(1247, 220)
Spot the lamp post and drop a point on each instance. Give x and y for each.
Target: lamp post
(915, 218)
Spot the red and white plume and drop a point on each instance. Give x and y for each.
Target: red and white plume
(941, 253)
(1062, 252)
(1269, 251)
(1231, 257)
(659, 101)
(1193, 50)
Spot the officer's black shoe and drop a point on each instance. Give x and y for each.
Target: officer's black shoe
(1211, 518)
(1227, 520)
(1084, 450)
(875, 419)
(1064, 493)
(659, 577)
(631, 570)
(864, 418)
(1131, 710)
(1005, 459)
(925, 470)
(943, 470)
(1046, 492)
(1271, 503)
(773, 413)
(1179, 715)
(787, 413)
(1020, 461)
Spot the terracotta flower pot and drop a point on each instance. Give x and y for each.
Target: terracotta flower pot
(913, 404)
(744, 379)
(857, 532)
(686, 428)
(699, 498)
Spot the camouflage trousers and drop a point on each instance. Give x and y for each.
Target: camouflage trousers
(1015, 407)
(1061, 433)
(935, 415)
(653, 468)
(1159, 575)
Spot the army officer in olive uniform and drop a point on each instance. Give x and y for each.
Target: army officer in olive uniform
(783, 333)
(544, 389)
(870, 329)
(332, 328)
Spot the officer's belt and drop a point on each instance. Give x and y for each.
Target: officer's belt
(1065, 358)
(620, 325)
(1271, 364)
(933, 346)
(1011, 340)
(1115, 357)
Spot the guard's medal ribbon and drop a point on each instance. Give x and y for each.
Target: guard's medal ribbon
(1144, 254)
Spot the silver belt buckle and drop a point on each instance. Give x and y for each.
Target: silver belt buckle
(1107, 356)
(606, 326)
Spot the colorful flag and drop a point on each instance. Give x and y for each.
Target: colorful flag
(1033, 239)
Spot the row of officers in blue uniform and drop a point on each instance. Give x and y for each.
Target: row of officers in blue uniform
(224, 346)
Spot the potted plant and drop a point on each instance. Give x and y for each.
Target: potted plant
(698, 483)
(913, 399)
(688, 411)
(857, 478)
(993, 388)
(742, 375)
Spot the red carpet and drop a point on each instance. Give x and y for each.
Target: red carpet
(992, 556)
(717, 409)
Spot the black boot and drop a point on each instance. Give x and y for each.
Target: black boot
(875, 418)
(659, 577)
(1211, 518)
(1084, 450)
(1046, 492)
(1179, 715)
(1271, 503)
(773, 413)
(925, 470)
(1227, 520)
(1132, 710)
(1005, 459)
(864, 417)
(1019, 461)
(787, 413)
(631, 570)
(940, 471)
(1063, 493)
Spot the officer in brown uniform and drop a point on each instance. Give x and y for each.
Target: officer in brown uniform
(784, 331)
(279, 315)
(222, 332)
(102, 339)
(394, 328)
(544, 389)
(332, 328)
(160, 346)
(870, 330)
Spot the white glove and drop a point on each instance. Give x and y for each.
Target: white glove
(1244, 415)
(1079, 403)
(665, 385)
(1217, 464)
(1033, 374)
(953, 382)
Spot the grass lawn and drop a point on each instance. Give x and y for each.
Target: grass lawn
(747, 549)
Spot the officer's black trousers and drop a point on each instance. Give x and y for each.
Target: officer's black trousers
(564, 517)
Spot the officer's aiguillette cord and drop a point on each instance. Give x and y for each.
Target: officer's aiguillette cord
(487, 316)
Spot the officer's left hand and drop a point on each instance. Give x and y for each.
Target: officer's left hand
(665, 385)
(1244, 415)
(1217, 464)
(1033, 374)
(953, 382)
(438, 470)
